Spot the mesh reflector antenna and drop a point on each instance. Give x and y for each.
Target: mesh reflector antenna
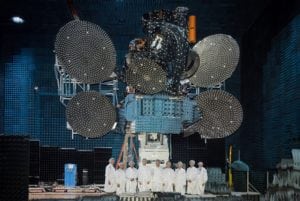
(85, 51)
(222, 114)
(91, 114)
(146, 76)
(219, 56)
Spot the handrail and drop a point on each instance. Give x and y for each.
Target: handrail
(252, 188)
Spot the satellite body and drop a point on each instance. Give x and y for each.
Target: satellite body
(160, 113)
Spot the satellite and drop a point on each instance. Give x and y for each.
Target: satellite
(166, 60)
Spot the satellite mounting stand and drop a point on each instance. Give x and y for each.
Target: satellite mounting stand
(125, 152)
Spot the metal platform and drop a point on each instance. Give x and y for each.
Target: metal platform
(96, 193)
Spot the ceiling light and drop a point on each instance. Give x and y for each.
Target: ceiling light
(17, 20)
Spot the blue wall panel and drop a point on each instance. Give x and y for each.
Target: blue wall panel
(39, 113)
(2, 88)
(270, 88)
(18, 89)
(281, 94)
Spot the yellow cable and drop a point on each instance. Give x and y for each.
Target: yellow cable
(230, 181)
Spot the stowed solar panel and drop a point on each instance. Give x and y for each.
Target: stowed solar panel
(146, 75)
(86, 51)
(91, 114)
(219, 56)
(221, 113)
